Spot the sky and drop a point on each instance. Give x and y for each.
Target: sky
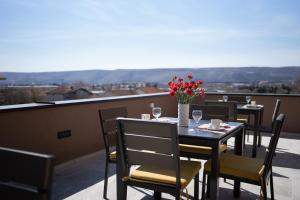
(60, 35)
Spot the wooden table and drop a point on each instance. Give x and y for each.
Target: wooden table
(195, 136)
(257, 112)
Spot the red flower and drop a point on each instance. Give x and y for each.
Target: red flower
(175, 87)
(190, 76)
(191, 85)
(185, 85)
(189, 92)
(180, 79)
(200, 82)
(172, 93)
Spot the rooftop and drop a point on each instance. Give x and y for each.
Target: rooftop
(79, 157)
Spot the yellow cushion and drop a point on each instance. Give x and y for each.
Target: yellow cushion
(188, 170)
(239, 166)
(242, 120)
(113, 155)
(199, 149)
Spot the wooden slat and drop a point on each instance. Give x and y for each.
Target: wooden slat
(232, 107)
(240, 99)
(159, 145)
(151, 128)
(110, 126)
(150, 159)
(210, 112)
(26, 168)
(113, 113)
(111, 139)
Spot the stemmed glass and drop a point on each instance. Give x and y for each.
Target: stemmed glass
(197, 115)
(156, 112)
(225, 98)
(248, 99)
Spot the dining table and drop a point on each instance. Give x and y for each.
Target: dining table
(257, 111)
(194, 134)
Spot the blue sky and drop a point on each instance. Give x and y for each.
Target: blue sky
(49, 35)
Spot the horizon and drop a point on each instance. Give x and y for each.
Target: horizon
(166, 68)
(54, 36)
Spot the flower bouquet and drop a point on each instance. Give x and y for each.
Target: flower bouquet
(185, 91)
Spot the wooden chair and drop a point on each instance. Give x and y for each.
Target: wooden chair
(109, 131)
(25, 175)
(250, 170)
(211, 111)
(208, 112)
(263, 129)
(232, 106)
(154, 146)
(239, 99)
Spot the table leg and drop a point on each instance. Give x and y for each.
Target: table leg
(215, 168)
(238, 150)
(255, 133)
(261, 116)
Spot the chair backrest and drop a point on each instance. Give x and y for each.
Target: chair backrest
(108, 120)
(211, 111)
(273, 142)
(239, 99)
(232, 107)
(276, 111)
(152, 144)
(25, 175)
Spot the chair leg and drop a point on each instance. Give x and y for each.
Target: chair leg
(264, 189)
(245, 132)
(105, 180)
(259, 139)
(248, 136)
(272, 186)
(157, 195)
(203, 186)
(208, 187)
(196, 187)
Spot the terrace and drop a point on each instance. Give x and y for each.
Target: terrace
(80, 157)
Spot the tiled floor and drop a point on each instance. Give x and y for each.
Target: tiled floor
(82, 179)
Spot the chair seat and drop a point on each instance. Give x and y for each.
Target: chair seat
(242, 120)
(199, 149)
(113, 155)
(239, 166)
(188, 170)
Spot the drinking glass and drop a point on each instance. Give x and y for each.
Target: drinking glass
(248, 99)
(225, 98)
(156, 112)
(197, 115)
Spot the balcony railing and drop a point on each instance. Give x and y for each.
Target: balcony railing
(70, 129)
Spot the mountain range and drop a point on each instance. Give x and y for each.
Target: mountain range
(161, 76)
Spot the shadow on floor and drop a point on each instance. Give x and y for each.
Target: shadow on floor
(80, 178)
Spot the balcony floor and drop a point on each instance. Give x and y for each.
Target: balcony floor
(82, 179)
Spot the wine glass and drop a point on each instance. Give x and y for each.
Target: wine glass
(156, 112)
(197, 115)
(248, 99)
(225, 98)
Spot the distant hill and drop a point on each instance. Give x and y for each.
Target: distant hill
(209, 75)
